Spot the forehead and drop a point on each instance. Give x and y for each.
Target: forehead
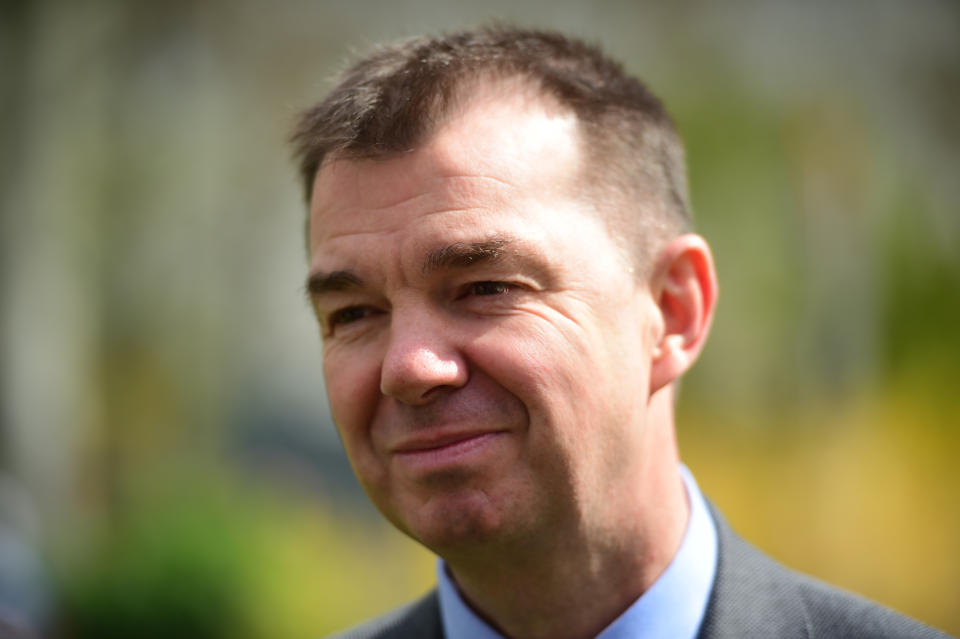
(504, 144)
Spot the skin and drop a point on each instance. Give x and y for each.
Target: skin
(500, 377)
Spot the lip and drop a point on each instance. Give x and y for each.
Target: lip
(436, 451)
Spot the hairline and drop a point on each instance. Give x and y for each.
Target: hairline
(604, 198)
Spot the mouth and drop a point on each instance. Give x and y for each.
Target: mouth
(443, 451)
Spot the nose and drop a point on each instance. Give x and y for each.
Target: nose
(421, 361)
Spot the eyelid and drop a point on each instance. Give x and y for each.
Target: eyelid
(342, 315)
(509, 287)
(338, 318)
(506, 286)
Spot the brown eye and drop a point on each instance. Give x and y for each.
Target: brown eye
(489, 288)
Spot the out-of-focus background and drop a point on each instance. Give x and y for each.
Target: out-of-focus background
(168, 467)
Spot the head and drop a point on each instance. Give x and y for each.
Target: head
(506, 292)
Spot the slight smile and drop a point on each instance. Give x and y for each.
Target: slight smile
(439, 452)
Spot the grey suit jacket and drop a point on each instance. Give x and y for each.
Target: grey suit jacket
(752, 596)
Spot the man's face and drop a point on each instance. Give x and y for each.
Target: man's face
(486, 344)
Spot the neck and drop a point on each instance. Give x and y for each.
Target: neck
(535, 589)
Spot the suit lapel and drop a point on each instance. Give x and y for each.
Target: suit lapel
(423, 620)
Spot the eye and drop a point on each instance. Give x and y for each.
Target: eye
(489, 288)
(348, 315)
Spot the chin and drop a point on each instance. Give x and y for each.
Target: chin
(453, 522)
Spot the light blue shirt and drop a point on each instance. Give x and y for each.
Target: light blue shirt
(672, 608)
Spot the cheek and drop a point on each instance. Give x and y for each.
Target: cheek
(353, 390)
(353, 386)
(570, 375)
(545, 367)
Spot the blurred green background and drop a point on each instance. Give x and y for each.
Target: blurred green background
(168, 467)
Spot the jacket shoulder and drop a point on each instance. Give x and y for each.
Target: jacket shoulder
(836, 613)
(417, 620)
(755, 596)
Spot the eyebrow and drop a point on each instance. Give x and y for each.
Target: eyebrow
(453, 256)
(466, 254)
(343, 280)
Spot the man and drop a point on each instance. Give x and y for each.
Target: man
(502, 266)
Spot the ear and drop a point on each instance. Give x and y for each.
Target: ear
(684, 288)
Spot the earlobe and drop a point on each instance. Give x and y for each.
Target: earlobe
(684, 287)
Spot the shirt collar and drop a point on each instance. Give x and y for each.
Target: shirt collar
(673, 607)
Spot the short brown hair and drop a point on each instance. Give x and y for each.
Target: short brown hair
(389, 101)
